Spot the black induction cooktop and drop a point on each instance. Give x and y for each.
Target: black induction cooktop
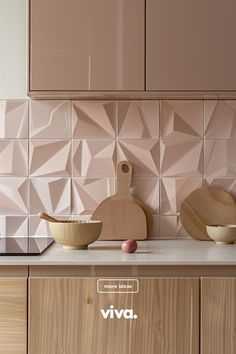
(24, 246)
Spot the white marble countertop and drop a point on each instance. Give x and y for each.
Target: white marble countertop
(158, 252)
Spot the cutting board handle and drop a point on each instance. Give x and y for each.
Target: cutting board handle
(124, 175)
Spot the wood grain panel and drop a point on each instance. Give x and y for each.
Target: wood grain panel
(65, 317)
(13, 271)
(13, 315)
(133, 270)
(218, 316)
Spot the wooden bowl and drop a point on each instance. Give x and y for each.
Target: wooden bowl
(222, 234)
(75, 235)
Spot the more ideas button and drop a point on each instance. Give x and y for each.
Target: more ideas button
(117, 286)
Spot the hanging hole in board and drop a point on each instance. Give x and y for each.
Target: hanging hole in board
(125, 168)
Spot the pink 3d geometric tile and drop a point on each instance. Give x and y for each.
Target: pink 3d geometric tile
(87, 193)
(220, 119)
(181, 156)
(94, 158)
(175, 190)
(38, 227)
(13, 225)
(138, 119)
(50, 157)
(13, 119)
(50, 119)
(13, 157)
(142, 153)
(147, 190)
(154, 233)
(14, 195)
(94, 119)
(52, 195)
(181, 119)
(220, 157)
(170, 226)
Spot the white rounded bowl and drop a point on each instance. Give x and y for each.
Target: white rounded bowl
(222, 234)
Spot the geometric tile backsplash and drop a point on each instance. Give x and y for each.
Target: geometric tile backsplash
(60, 156)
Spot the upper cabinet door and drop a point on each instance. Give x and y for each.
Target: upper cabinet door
(78, 45)
(191, 45)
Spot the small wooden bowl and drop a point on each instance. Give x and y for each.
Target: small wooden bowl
(222, 234)
(75, 235)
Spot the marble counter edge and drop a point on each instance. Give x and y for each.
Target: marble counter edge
(150, 253)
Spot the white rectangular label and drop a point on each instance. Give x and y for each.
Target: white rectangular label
(117, 286)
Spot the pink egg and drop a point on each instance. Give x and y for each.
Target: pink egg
(129, 246)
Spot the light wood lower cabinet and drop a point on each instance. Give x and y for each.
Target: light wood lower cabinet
(13, 315)
(218, 316)
(65, 317)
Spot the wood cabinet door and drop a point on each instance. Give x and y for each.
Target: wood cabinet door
(218, 316)
(13, 315)
(65, 317)
(87, 45)
(190, 45)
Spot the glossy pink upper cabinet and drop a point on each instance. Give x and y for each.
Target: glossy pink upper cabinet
(191, 45)
(87, 45)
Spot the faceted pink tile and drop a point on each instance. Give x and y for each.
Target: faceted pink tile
(94, 158)
(40, 228)
(50, 157)
(14, 194)
(88, 193)
(220, 119)
(138, 119)
(13, 226)
(94, 119)
(14, 119)
(82, 217)
(155, 230)
(227, 184)
(20, 244)
(50, 119)
(181, 157)
(14, 157)
(181, 118)
(220, 157)
(147, 191)
(175, 190)
(171, 227)
(51, 195)
(142, 153)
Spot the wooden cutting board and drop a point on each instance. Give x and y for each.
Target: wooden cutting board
(122, 217)
(205, 206)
